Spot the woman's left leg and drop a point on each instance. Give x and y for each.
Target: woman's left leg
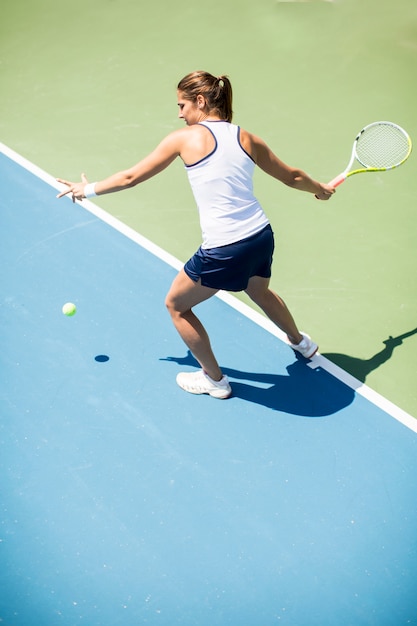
(183, 295)
(277, 311)
(275, 308)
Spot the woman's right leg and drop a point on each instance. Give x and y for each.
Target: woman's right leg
(182, 296)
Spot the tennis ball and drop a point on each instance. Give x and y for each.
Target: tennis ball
(69, 309)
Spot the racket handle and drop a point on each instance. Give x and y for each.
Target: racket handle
(337, 181)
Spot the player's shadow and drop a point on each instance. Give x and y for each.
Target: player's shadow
(360, 368)
(304, 391)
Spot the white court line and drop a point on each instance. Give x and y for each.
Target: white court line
(318, 361)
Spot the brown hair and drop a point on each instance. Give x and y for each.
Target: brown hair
(216, 90)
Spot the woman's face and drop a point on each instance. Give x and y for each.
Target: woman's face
(190, 112)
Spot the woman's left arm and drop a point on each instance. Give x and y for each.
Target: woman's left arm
(293, 177)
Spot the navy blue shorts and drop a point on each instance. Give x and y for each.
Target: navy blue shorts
(230, 267)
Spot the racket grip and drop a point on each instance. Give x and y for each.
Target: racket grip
(337, 181)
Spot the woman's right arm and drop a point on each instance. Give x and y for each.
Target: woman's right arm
(163, 155)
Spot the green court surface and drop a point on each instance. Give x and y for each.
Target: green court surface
(90, 86)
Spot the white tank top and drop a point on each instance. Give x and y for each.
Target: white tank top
(223, 189)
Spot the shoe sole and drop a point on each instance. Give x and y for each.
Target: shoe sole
(219, 394)
(310, 356)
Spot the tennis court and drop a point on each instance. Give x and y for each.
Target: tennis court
(125, 500)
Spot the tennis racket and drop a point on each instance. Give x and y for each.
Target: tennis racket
(378, 147)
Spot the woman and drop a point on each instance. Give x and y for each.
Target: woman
(238, 243)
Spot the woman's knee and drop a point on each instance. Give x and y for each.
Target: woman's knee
(185, 294)
(171, 304)
(172, 299)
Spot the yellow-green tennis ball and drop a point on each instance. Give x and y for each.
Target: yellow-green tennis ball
(69, 309)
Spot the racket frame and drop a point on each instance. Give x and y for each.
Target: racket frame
(338, 180)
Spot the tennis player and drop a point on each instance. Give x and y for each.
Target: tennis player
(238, 242)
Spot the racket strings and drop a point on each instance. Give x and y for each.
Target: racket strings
(382, 146)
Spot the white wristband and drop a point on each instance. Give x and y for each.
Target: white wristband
(89, 190)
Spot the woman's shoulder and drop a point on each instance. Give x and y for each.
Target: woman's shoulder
(183, 136)
(194, 142)
(247, 141)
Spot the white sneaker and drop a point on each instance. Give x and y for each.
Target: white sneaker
(200, 382)
(306, 347)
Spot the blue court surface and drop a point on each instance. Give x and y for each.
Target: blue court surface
(126, 501)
